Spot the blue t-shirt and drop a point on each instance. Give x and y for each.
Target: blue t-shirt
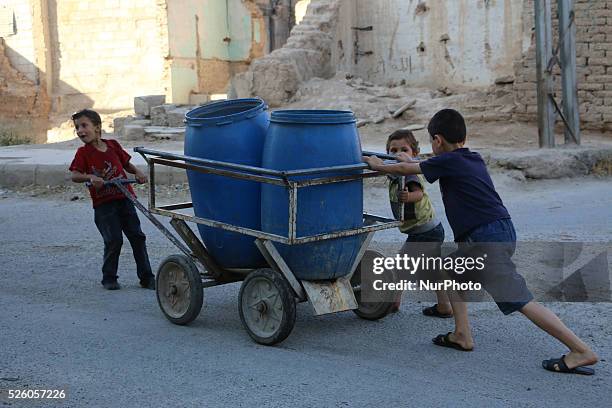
(469, 197)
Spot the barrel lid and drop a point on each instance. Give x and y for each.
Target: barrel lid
(225, 112)
(320, 117)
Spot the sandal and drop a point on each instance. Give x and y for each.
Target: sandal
(433, 311)
(444, 340)
(558, 365)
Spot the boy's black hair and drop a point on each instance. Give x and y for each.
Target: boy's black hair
(402, 134)
(88, 113)
(449, 124)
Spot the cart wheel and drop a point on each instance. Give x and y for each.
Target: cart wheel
(179, 289)
(370, 310)
(267, 306)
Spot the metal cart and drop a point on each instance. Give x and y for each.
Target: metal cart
(268, 296)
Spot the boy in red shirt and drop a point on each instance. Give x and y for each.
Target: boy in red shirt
(97, 161)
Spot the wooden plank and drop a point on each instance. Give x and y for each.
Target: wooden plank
(567, 32)
(546, 111)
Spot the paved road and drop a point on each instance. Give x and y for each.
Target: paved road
(59, 328)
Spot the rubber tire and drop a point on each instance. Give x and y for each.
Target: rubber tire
(195, 288)
(287, 297)
(375, 310)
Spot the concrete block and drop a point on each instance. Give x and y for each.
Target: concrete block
(133, 132)
(119, 123)
(159, 114)
(51, 175)
(141, 122)
(604, 79)
(591, 87)
(17, 175)
(176, 117)
(143, 104)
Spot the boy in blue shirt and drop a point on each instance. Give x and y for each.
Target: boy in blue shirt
(481, 225)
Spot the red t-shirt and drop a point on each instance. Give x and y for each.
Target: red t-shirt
(107, 165)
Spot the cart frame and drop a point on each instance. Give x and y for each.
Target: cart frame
(325, 296)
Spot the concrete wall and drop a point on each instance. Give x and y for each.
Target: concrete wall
(20, 46)
(107, 51)
(103, 53)
(433, 42)
(209, 42)
(307, 54)
(24, 104)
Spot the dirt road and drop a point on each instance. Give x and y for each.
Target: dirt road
(60, 329)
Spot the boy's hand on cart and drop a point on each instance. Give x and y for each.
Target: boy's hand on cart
(404, 157)
(404, 196)
(96, 182)
(374, 162)
(141, 178)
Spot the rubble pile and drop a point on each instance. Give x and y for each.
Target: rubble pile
(154, 120)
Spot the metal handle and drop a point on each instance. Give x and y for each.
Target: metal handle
(113, 182)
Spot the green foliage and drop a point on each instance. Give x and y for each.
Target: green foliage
(11, 137)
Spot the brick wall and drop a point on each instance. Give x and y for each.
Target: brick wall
(594, 65)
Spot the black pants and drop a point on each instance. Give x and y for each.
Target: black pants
(114, 219)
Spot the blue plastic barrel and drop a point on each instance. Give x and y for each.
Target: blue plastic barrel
(301, 139)
(231, 131)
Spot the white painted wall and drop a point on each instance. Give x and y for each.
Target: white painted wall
(484, 38)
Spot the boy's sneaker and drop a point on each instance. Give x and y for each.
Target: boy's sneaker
(150, 284)
(111, 285)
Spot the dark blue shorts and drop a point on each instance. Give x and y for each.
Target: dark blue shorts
(496, 241)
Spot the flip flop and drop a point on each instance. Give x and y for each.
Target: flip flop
(433, 311)
(558, 365)
(443, 340)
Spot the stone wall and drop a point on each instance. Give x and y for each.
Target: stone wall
(307, 54)
(594, 66)
(25, 105)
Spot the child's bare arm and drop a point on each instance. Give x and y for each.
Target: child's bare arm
(79, 177)
(411, 196)
(140, 176)
(400, 169)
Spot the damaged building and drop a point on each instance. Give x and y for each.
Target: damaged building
(61, 55)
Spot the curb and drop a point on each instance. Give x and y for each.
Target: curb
(563, 162)
(21, 175)
(536, 165)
